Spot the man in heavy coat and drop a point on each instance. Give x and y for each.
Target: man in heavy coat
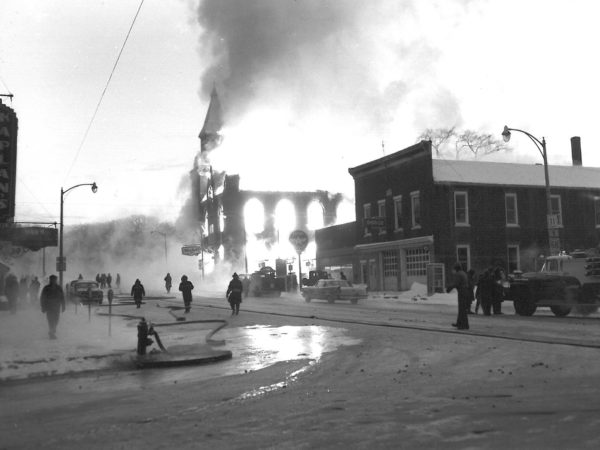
(138, 292)
(11, 290)
(461, 284)
(53, 302)
(234, 294)
(186, 288)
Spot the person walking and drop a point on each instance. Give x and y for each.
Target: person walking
(118, 281)
(11, 290)
(461, 284)
(498, 291)
(138, 292)
(109, 280)
(234, 294)
(34, 290)
(486, 288)
(186, 289)
(52, 302)
(168, 282)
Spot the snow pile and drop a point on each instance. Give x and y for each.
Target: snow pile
(83, 343)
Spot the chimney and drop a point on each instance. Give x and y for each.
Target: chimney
(576, 150)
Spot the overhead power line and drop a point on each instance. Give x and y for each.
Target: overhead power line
(103, 92)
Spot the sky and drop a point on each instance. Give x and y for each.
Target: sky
(309, 88)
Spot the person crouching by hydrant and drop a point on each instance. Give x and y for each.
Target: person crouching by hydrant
(234, 294)
(186, 289)
(143, 339)
(461, 284)
(138, 292)
(52, 301)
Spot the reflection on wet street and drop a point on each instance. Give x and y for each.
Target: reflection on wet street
(257, 347)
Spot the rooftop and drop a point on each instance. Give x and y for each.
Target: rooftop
(478, 172)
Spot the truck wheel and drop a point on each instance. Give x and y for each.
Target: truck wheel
(560, 310)
(524, 307)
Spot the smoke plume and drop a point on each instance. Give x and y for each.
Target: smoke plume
(320, 80)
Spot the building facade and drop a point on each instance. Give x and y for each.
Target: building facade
(413, 210)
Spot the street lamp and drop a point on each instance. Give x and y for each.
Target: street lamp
(164, 235)
(61, 261)
(541, 146)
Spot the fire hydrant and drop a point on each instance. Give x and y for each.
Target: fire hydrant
(143, 339)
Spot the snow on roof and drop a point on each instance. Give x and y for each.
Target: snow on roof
(478, 172)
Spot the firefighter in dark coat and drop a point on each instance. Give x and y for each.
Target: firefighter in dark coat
(461, 284)
(234, 294)
(11, 290)
(498, 290)
(138, 292)
(186, 288)
(168, 282)
(53, 302)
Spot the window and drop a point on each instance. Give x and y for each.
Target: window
(556, 208)
(381, 208)
(513, 258)
(597, 211)
(398, 212)
(381, 213)
(366, 215)
(510, 205)
(461, 208)
(463, 256)
(416, 261)
(390, 263)
(415, 203)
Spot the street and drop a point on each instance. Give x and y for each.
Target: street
(396, 376)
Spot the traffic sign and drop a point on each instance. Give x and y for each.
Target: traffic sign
(61, 264)
(299, 240)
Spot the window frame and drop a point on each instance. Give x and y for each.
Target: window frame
(560, 215)
(380, 204)
(465, 194)
(366, 215)
(508, 261)
(397, 212)
(415, 196)
(466, 247)
(512, 195)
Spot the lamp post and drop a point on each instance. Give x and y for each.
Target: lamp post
(164, 235)
(553, 240)
(61, 263)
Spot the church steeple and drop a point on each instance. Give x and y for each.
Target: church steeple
(213, 122)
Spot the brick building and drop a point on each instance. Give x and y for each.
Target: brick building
(412, 209)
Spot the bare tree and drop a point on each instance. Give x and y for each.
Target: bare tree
(439, 138)
(479, 144)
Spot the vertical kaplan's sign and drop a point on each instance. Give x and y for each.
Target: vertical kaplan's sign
(8, 162)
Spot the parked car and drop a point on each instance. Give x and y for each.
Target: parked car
(85, 291)
(332, 290)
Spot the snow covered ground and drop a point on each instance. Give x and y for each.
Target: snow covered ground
(84, 342)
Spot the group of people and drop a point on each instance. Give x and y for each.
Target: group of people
(185, 287)
(486, 291)
(105, 280)
(26, 289)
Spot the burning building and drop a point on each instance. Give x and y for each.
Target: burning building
(247, 227)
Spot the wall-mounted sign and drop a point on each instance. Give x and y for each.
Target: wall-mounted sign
(8, 162)
(33, 238)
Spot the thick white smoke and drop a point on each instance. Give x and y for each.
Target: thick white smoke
(312, 87)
